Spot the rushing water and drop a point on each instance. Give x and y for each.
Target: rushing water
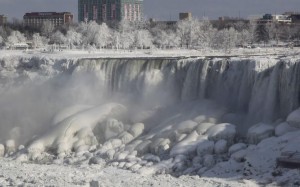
(264, 89)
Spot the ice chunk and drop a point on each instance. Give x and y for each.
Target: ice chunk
(10, 146)
(239, 156)
(203, 127)
(136, 129)
(197, 161)
(209, 161)
(224, 131)
(236, 147)
(2, 150)
(284, 128)
(64, 134)
(294, 118)
(151, 158)
(186, 146)
(205, 147)
(186, 127)
(259, 132)
(220, 147)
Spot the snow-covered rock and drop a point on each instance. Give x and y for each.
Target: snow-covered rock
(186, 127)
(259, 132)
(203, 127)
(236, 147)
(224, 131)
(2, 150)
(209, 161)
(112, 128)
(186, 146)
(284, 128)
(136, 129)
(197, 161)
(239, 156)
(220, 147)
(151, 158)
(294, 118)
(61, 138)
(10, 146)
(205, 147)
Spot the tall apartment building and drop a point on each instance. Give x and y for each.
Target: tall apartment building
(3, 20)
(110, 10)
(36, 19)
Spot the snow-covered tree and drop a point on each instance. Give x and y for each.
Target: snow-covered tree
(73, 38)
(126, 34)
(39, 41)
(15, 37)
(102, 37)
(90, 33)
(143, 39)
(244, 38)
(58, 38)
(261, 33)
(47, 28)
(202, 34)
(166, 39)
(226, 39)
(184, 28)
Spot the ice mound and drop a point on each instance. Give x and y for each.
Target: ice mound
(294, 118)
(224, 131)
(284, 128)
(73, 130)
(259, 132)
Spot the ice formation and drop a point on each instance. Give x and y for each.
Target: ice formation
(182, 116)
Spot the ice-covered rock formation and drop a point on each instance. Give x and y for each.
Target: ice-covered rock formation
(74, 129)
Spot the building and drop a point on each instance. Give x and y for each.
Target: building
(185, 16)
(3, 20)
(282, 19)
(110, 10)
(294, 16)
(36, 19)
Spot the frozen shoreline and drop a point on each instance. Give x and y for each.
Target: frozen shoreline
(78, 54)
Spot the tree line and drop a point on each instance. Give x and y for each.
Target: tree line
(190, 34)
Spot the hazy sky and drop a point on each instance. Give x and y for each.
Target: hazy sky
(163, 9)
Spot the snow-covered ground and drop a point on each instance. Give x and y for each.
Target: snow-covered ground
(71, 121)
(28, 174)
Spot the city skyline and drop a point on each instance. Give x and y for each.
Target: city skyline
(162, 9)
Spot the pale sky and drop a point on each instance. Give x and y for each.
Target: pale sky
(163, 9)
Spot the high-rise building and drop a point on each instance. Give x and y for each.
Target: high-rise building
(36, 19)
(3, 20)
(110, 10)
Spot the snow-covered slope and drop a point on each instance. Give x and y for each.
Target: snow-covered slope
(183, 115)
